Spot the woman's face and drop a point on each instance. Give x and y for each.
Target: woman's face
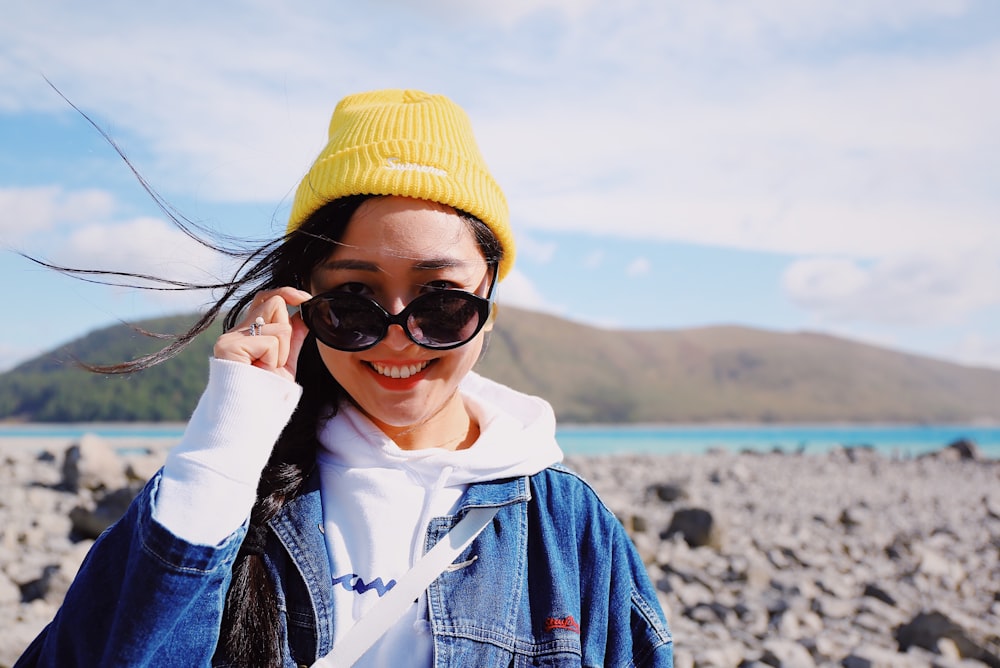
(394, 249)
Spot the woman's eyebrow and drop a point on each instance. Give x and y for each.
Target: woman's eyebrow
(349, 264)
(431, 264)
(426, 264)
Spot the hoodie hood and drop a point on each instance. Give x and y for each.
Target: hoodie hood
(517, 438)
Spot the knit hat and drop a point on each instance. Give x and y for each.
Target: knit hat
(408, 143)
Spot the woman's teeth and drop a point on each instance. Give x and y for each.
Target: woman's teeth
(396, 371)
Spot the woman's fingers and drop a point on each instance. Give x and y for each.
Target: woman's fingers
(266, 337)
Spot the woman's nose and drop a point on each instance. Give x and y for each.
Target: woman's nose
(396, 338)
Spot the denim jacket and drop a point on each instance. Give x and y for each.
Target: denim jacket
(553, 581)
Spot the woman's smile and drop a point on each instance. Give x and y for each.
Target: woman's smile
(398, 370)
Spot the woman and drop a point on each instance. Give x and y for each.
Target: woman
(336, 445)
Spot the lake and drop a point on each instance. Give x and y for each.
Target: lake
(891, 440)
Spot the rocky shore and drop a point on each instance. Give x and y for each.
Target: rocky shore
(845, 558)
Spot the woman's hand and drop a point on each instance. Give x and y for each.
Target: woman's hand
(277, 343)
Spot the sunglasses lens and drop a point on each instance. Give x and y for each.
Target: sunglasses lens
(345, 321)
(444, 319)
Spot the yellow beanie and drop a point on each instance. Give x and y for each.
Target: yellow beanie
(407, 143)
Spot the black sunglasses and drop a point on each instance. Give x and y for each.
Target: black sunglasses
(439, 320)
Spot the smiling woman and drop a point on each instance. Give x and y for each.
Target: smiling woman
(345, 460)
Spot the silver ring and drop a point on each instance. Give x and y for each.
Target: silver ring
(255, 327)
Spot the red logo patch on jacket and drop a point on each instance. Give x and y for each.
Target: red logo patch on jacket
(567, 623)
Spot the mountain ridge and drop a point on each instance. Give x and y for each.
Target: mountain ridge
(723, 373)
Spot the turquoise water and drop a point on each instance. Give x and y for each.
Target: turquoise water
(110, 430)
(891, 440)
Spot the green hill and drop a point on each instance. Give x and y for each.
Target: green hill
(53, 388)
(588, 374)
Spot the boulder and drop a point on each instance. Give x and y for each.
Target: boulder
(91, 522)
(39, 587)
(877, 592)
(668, 492)
(141, 469)
(965, 449)
(92, 464)
(855, 516)
(783, 653)
(928, 630)
(873, 656)
(697, 525)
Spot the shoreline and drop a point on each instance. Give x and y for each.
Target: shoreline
(901, 441)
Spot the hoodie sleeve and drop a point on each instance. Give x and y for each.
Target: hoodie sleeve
(209, 481)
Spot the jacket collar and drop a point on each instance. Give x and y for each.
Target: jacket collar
(502, 492)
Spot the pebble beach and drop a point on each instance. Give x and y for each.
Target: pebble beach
(842, 558)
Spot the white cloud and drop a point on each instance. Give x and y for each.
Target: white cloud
(141, 245)
(510, 12)
(638, 267)
(84, 230)
(873, 157)
(28, 211)
(694, 122)
(517, 290)
(594, 259)
(903, 290)
(538, 251)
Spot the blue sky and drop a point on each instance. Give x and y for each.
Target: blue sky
(829, 166)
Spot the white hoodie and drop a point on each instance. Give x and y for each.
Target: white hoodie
(378, 500)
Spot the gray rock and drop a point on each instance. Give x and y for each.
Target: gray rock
(873, 656)
(91, 522)
(830, 607)
(877, 592)
(786, 654)
(723, 655)
(854, 517)
(668, 492)
(966, 449)
(92, 464)
(927, 630)
(697, 525)
(39, 587)
(141, 469)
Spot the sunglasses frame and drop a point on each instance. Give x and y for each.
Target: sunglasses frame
(484, 307)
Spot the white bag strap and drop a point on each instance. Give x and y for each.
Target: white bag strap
(390, 608)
